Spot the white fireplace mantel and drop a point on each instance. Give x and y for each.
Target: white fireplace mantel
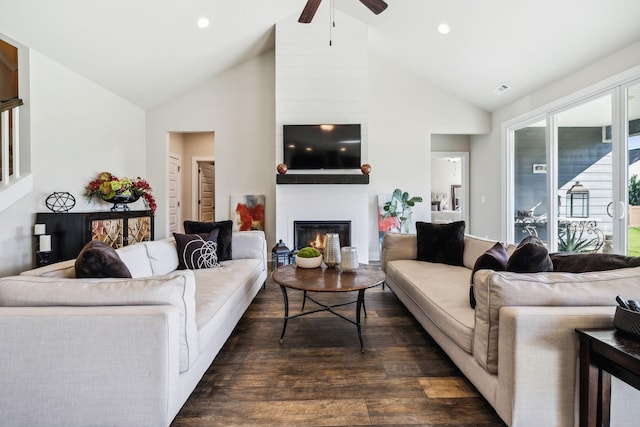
(324, 203)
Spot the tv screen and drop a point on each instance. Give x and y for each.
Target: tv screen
(322, 146)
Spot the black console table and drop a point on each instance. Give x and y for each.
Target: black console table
(604, 353)
(71, 231)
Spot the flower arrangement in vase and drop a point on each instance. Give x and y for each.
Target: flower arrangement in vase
(120, 191)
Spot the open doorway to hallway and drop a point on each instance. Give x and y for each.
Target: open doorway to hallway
(191, 192)
(450, 178)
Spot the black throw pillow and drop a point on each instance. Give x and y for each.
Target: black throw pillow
(530, 256)
(224, 237)
(583, 263)
(442, 243)
(99, 260)
(197, 251)
(493, 259)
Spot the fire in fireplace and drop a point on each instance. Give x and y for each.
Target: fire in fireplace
(312, 233)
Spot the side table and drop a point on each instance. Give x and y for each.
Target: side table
(603, 353)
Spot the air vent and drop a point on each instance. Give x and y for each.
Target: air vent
(501, 89)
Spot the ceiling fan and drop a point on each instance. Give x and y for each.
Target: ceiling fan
(375, 6)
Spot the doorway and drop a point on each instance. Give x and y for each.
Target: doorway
(206, 190)
(196, 152)
(175, 178)
(449, 187)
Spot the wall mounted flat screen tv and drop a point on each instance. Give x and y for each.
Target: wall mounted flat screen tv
(322, 146)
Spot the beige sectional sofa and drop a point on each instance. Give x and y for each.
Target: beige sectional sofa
(518, 347)
(119, 352)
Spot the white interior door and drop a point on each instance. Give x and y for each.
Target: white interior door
(206, 191)
(175, 170)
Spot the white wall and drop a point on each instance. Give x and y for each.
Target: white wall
(319, 83)
(405, 110)
(238, 105)
(487, 162)
(78, 129)
(444, 174)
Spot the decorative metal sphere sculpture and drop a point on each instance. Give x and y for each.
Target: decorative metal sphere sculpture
(60, 202)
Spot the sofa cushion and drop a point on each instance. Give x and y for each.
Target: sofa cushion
(224, 237)
(530, 256)
(494, 258)
(176, 289)
(197, 251)
(163, 256)
(63, 269)
(217, 286)
(98, 260)
(136, 259)
(475, 246)
(441, 243)
(398, 246)
(582, 263)
(442, 293)
(494, 290)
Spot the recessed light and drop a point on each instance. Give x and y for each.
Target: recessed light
(203, 22)
(444, 28)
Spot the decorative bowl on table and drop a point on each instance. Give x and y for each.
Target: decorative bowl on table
(314, 262)
(309, 258)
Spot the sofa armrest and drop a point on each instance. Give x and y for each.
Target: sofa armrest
(495, 290)
(116, 365)
(397, 246)
(250, 245)
(537, 362)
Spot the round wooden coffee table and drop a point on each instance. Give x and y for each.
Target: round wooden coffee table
(325, 279)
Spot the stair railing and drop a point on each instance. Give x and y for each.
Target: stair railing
(9, 141)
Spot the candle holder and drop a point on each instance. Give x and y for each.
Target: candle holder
(349, 262)
(43, 245)
(43, 258)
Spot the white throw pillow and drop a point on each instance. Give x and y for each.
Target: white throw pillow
(136, 259)
(162, 255)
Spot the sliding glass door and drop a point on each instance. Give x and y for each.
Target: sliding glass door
(583, 151)
(632, 136)
(530, 191)
(574, 175)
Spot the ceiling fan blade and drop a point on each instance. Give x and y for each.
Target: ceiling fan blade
(375, 6)
(309, 10)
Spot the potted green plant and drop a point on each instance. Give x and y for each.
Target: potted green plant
(400, 207)
(308, 258)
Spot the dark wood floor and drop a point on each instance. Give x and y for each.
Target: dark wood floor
(319, 377)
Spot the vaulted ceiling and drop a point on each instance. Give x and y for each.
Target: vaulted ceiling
(148, 51)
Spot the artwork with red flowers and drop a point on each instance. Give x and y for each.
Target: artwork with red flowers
(247, 212)
(389, 223)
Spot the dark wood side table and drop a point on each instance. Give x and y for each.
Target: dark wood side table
(605, 352)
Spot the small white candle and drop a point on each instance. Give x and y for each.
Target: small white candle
(45, 243)
(39, 229)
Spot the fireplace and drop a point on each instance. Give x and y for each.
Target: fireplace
(312, 233)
